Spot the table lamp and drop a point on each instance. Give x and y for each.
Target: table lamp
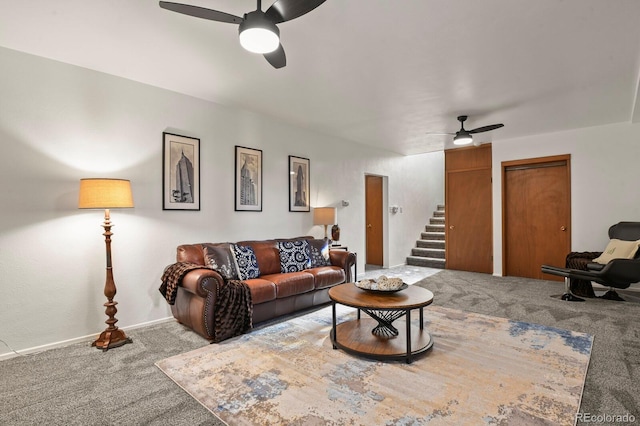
(107, 194)
(324, 216)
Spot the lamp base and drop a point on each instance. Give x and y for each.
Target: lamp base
(111, 339)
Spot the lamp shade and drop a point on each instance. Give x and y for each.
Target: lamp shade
(105, 193)
(324, 215)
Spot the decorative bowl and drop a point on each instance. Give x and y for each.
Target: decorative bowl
(402, 287)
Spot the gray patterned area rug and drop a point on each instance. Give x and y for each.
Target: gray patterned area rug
(481, 370)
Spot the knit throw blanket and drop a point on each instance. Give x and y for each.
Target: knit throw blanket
(579, 260)
(233, 310)
(172, 277)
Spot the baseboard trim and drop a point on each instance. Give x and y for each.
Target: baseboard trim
(88, 338)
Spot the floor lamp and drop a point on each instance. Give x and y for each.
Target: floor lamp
(107, 194)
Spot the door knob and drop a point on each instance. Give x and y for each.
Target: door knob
(369, 226)
(563, 228)
(451, 227)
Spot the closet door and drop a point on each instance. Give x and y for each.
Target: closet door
(536, 215)
(468, 214)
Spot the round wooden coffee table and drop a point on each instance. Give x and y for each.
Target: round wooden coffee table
(379, 336)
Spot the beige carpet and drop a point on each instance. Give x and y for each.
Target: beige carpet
(481, 370)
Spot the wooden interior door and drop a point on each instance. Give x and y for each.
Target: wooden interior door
(373, 220)
(536, 215)
(470, 242)
(468, 212)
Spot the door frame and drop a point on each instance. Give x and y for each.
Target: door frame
(385, 218)
(525, 163)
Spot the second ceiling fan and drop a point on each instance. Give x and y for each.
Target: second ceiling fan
(463, 136)
(257, 29)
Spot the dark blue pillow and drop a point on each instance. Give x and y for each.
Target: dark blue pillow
(246, 262)
(294, 256)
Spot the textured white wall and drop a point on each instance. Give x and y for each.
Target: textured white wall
(604, 172)
(60, 123)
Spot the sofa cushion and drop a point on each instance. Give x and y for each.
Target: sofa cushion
(318, 252)
(291, 283)
(327, 276)
(261, 290)
(246, 262)
(190, 253)
(618, 249)
(294, 256)
(220, 258)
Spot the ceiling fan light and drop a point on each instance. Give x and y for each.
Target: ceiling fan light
(462, 139)
(258, 34)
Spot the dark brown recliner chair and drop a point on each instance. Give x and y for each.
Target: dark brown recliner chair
(618, 273)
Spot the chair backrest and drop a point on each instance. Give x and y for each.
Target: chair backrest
(627, 231)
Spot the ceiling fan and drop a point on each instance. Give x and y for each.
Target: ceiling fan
(257, 29)
(463, 136)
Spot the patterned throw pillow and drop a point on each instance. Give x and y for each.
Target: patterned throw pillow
(220, 258)
(246, 262)
(319, 253)
(294, 255)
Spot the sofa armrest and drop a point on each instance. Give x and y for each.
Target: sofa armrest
(201, 282)
(345, 260)
(196, 300)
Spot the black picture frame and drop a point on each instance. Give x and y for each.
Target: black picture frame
(248, 179)
(180, 172)
(299, 184)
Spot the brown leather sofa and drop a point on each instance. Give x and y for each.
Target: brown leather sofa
(273, 293)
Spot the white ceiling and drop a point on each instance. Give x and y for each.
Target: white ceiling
(379, 72)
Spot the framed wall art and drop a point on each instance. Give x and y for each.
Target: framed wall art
(180, 172)
(248, 179)
(299, 185)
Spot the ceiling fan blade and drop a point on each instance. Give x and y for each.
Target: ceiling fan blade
(277, 58)
(201, 12)
(286, 10)
(486, 128)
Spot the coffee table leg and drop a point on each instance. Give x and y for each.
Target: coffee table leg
(408, 320)
(333, 331)
(421, 319)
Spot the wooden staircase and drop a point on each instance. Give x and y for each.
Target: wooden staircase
(429, 250)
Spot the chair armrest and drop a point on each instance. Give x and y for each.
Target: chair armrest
(592, 266)
(577, 274)
(621, 272)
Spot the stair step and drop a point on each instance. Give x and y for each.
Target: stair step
(438, 244)
(426, 261)
(428, 252)
(432, 235)
(434, 228)
(430, 248)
